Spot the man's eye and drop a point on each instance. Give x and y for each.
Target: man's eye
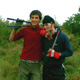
(32, 17)
(36, 17)
(46, 24)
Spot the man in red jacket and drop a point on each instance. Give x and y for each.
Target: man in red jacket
(31, 54)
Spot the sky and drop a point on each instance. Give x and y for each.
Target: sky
(60, 10)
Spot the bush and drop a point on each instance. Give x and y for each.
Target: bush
(72, 25)
(75, 42)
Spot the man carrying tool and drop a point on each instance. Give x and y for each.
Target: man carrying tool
(31, 54)
(56, 47)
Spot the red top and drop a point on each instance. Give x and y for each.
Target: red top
(32, 43)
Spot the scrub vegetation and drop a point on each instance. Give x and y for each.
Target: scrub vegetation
(10, 51)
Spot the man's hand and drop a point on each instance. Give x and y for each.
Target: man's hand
(53, 53)
(45, 34)
(18, 22)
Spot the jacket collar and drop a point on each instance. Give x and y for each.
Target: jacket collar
(57, 29)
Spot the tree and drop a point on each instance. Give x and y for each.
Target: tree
(72, 25)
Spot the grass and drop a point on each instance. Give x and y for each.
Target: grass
(72, 65)
(9, 59)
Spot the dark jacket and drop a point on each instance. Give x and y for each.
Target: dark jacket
(62, 46)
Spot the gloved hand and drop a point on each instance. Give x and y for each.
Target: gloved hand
(53, 53)
(45, 34)
(18, 22)
(16, 28)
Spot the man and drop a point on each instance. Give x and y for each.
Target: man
(56, 47)
(31, 54)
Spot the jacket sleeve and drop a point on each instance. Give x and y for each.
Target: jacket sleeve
(67, 47)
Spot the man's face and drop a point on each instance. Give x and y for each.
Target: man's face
(35, 20)
(47, 26)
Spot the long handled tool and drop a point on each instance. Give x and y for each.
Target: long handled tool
(17, 25)
(54, 41)
(18, 20)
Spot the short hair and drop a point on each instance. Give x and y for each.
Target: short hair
(36, 12)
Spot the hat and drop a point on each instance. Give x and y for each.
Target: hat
(48, 19)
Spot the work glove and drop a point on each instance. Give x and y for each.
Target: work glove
(46, 34)
(18, 22)
(53, 53)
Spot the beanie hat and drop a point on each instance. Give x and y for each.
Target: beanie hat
(48, 19)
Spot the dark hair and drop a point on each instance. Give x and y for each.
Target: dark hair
(48, 19)
(36, 12)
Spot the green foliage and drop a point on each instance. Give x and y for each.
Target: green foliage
(72, 28)
(4, 32)
(10, 53)
(75, 42)
(72, 25)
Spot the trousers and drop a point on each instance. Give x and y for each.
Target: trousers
(54, 73)
(29, 71)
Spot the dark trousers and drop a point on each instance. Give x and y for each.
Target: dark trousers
(29, 78)
(53, 73)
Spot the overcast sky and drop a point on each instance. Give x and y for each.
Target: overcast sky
(58, 9)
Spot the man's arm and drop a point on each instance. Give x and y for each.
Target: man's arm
(13, 33)
(67, 48)
(11, 38)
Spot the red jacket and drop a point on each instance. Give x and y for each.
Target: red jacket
(32, 49)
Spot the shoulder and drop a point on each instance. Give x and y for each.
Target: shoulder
(24, 28)
(63, 36)
(40, 28)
